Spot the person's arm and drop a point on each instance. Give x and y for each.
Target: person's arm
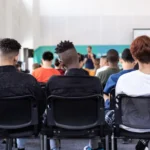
(93, 58)
(85, 59)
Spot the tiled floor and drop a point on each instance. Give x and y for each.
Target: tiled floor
(70, 145)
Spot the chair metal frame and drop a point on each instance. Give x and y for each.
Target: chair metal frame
(33, 122)
(59, 128)
(119, 132)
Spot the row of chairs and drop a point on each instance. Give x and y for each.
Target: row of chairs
(66, 117)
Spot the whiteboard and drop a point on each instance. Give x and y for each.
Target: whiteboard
(140, 32)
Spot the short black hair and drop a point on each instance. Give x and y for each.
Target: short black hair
(8, 46)
(47, 56)
(64, 46)
(90, 47)
(57, 62)
(105, 57)
(81, 57)
(127, 56)
(112, 56)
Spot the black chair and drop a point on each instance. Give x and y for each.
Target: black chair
(18, 118)
(74, 117)
(131, 118)
(112, 99)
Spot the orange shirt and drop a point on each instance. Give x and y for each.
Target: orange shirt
(43, 74)
(91, 72)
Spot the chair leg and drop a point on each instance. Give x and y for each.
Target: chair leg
(107, 142)
(115, 144)
(15, 143)
(112, 141)
(45, 142)
(42, 141)
(9, 143)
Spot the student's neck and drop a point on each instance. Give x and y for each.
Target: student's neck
(2, 63)
(128, 67)
(46, 65)
(73, 66)
(145, 68)
(113, 65)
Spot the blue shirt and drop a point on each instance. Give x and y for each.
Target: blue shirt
(89, 63)
(112, 81)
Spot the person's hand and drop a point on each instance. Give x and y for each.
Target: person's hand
(91, 54)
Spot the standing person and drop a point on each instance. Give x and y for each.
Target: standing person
(103, 65)
(15, 83)
(89, 58)
(43, 73)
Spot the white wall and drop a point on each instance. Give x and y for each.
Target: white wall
(46, 22)
(92, 21)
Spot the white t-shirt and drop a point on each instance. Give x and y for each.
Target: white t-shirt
(133, 84)
(101, 69)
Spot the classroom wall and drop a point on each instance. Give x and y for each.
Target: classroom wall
(20, 19)
(95, 22)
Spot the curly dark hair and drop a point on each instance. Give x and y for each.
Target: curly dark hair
(9, 46)
(63, 46)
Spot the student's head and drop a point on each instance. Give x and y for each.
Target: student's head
(127, 60)
(112, 58)
(9, 51)
(47, 58)
(35, 66)
(89, 49)
(81, 60)
(103, 61)
(58, 64)
(68, 54)
(140, 49)
(97, 63)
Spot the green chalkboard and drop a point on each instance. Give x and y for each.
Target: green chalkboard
(99, 50)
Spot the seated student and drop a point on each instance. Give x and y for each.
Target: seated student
(59, 66)
(113, 59)
(74, 87)
(81, 60)
(128, 64)
(103, 65)
(43, 73)
(137, 83)
(15, 83)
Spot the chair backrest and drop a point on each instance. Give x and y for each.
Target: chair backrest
(133, 112)
(75, 113)
(18, 112)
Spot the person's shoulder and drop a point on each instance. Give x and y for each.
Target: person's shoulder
(37, 70)
(128, 76)
(56, 71)
(25, 76)
(103, 72)
(53, 78)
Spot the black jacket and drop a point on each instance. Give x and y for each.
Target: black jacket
(14, 83)
(75, 83)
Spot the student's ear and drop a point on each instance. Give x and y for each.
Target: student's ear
(16, 58)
